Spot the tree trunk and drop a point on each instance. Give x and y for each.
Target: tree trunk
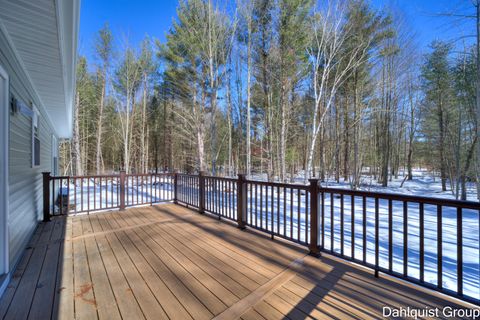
(443, 173)
(77, 154)
(249, 75)
(477, 87)
(98, 154)
(143, 139)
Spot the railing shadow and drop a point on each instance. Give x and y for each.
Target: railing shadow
(241, 242)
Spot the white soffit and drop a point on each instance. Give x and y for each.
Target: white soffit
(44, 34)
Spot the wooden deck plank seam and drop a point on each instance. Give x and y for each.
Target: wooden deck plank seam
(173, 241)
(123, 274)
(238, 309)
(186, 287)
(222, 250)
(236, 288)
(218, 304)
(175, 277)
(139, 273)
(234, 252)
(210, 257)
(15, 294)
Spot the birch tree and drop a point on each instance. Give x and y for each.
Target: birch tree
(128, 77)
(246, 34)
(146, 68)
(329, 35)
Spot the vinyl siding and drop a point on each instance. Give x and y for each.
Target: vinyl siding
(25, 182)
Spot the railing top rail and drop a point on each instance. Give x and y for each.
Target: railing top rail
(403, 197)
(279, 184)
(149, 174)
(188, 175)
(222, 178)
(59, 177)
(110, 176)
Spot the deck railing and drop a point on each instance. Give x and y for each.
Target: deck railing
(428, 241)
(78, 194)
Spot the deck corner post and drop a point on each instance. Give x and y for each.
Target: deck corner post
(241, 201)
(123, 176)
(46, 196)
(175, 185)
(313, 189)
(201, 192)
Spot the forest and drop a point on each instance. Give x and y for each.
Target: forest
(280, 89)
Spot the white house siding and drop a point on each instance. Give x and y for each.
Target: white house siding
(25, 182)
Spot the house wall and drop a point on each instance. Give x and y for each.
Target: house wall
(25, 182)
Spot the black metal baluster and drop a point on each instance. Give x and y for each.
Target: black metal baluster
(61, 197)
(252, 202)
(364, 235)
(261, 206)
(266, 207)
(75, 195)
(390, 235)
(256, 206)
(422, 241)
(68, 195)
(298, 214)
(459, 251)
(377, 229)
(332, 222)
(323, 219)
(284, 211)
(101, 206)
(439, 247)
(291, 213)
(352, 226)
(405, 239)
(342, 217)
(94, 194)
(272, 210)
(307, 214)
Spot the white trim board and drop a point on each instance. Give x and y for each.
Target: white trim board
(4, 130)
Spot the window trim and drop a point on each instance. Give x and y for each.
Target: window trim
(54, 154)
(4, 184)
(35, 135)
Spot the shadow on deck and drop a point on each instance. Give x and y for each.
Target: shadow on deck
(167, 261)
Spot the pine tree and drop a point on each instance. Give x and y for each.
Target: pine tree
(104, 51)
(436, 75)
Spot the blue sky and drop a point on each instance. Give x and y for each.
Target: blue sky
(132, 20)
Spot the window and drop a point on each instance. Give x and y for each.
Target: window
(54, 156)
(35, 139)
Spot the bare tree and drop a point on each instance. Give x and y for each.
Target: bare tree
(329, 67)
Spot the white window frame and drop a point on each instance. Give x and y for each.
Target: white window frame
(54, 155)
(4, 192)
(35, 134)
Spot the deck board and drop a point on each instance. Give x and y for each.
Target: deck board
(168, 262)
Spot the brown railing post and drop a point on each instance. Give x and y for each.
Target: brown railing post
(46, 196)
(123, 175)
(314, 250)
(175, 181)
(201, 192)
(241, 200)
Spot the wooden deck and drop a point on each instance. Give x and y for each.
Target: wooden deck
(170, 262)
